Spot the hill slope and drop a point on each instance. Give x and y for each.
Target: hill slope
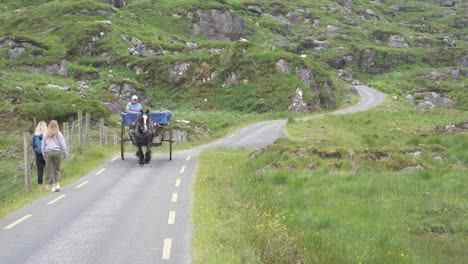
(59, 57)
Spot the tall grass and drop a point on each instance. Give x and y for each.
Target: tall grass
(349, 189)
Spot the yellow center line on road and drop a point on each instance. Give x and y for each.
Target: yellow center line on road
(174, 197)
(167, 248)
(56, 199)
(171, 219)
(81, 184)
(17, 221)
(182, 169)
(100, 171)
(177, 182)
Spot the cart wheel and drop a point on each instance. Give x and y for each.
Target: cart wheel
(170, 141)
(122, 141)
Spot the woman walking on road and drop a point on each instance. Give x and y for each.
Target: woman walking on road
(41, 129)
(53, 145)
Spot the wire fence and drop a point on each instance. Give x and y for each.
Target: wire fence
(18, 173)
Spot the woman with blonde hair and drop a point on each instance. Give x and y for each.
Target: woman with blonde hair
(52, 147)
(41, 129)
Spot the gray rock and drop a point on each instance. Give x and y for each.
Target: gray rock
(452, 128)
(447, 3)
(230, 78)
(437, 76)
(63, 88)
(283, 66)
(424, 106)
(179, 70)
(462, 62)
(255, 9)
(456, 74)
(321, 45)
(125, 90)
(114, 108)
(116, 3)
(16, 52)
(345, 76)
(434, 99)
(417, 154)
(353, 90)
(82, 85)
(397, 41)
(409, 98)
(345, 3)
(298, 104)
(438, 159)
(217, 24)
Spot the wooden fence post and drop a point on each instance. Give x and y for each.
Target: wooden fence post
(87, 124)
(27, 169)
(80, 123)
(66, 134)
(101, 131)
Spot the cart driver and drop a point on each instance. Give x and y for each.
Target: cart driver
(133, 107)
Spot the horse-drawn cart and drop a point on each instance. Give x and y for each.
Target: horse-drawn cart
(160, 130)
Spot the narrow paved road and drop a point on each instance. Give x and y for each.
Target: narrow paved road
(123, 212)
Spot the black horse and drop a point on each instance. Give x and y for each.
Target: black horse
(142, 132)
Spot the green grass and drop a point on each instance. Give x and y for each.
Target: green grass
(86, 159)
(347, 190)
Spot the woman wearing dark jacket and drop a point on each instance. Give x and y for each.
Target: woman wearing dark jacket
(41, 129)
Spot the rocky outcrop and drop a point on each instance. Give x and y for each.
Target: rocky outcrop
(19, 47)
(114, 108)
(427, 100)
(307, 77)
(125, 90)
(376, 62)
(217, 24)
(116, 3)
(462, 61)
(453, 128)
(179, 70)
(138, 48)
(230, 78)
(345, 3)
(52, 69)
(298, 104)
(397, 41)
(283, 66)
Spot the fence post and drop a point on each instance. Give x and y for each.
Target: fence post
(27, 169)
(66, 134)
(80, 123)
(88, 126)
(101, 131)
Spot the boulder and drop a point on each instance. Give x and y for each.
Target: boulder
(283, 66)
(217, 24)
(397, 41)
(298, 104)
(124, 91)
(114, 108)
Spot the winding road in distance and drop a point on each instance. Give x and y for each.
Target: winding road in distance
(125, 213)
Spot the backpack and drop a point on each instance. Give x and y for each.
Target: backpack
(38, 144)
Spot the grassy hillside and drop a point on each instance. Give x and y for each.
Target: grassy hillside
(382, 186)
(92, 39)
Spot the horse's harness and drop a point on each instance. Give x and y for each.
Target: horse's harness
(142, 130)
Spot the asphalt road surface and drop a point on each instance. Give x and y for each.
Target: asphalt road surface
(125, 213)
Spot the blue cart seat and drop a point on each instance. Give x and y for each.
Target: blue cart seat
(161, 118)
